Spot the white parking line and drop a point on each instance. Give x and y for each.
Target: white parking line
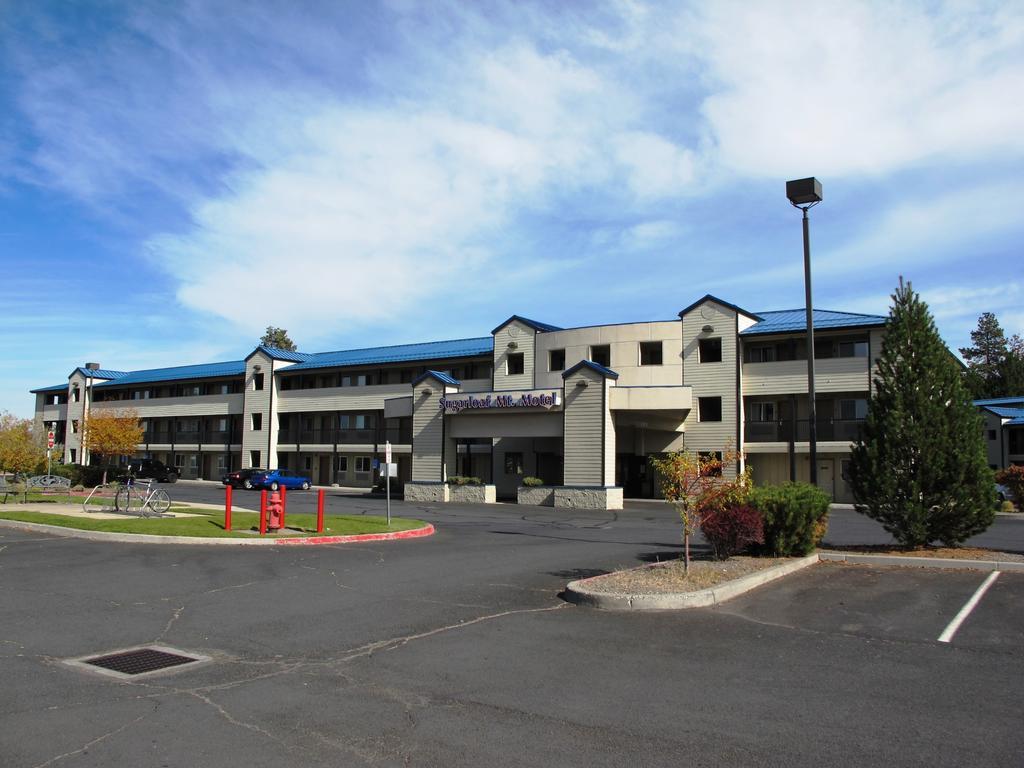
(954, 625)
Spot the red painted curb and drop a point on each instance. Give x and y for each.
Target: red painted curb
(415, 533)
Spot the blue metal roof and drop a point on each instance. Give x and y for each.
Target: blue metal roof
(55, 388)
(535, 324)
(441, 376)
(792, 320)
(608, 373)
(431, 350)
(202, 371)
(1000, 401)
(282, 354)
(99, 373)
(1015, 422)
(1005, 413)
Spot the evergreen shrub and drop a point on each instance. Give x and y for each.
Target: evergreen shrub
(795, 517)
(920, 467)
(732, 530)
(464, 480)
(532, 482)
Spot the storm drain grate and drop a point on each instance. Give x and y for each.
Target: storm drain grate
(138, 661)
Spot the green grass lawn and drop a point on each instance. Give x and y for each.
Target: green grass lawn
(212, 525)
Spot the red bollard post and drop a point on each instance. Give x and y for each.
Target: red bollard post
(263, 513)
(284, 504)
(227, 508)
(320, 511)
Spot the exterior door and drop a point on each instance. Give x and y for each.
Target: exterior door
(826, 476)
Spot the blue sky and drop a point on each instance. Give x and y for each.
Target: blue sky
(174, 177)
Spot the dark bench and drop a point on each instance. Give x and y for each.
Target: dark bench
(48, 485)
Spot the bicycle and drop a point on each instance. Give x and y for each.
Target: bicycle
(132, 501)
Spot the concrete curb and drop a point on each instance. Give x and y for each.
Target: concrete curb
(578, 592)
(921, 562)
(145, 538)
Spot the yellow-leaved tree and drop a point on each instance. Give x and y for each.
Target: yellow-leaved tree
(112, 434)
(20, 450)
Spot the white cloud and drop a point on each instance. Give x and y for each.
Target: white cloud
(860, 88)
(364, 209)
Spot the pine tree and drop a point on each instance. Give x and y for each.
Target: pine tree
(278, 339)
(920, 468)
(986, 360)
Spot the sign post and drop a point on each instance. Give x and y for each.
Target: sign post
(387, 476)
(50, 437)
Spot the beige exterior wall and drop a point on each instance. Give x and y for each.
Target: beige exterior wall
(76, 412)
(433, 452)
(259, 401)
(624, 343)
(525, 339)
(837, 374)
(773, 469)
(712, 379)
(201, 405)
(587, 421)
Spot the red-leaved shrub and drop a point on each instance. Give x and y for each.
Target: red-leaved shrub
(732, 529)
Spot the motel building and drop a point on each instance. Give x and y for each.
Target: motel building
(584, 409)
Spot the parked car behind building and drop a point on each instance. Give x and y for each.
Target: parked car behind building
(277, 478)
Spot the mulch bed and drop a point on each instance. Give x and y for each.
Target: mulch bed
(669, 577)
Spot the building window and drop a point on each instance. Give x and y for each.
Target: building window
(179, 460)
(602, 355)
(709, 409)
(341, 464)
(75, 394)
(257, 422)
(74, 455)
(844, 470)
(516, 363)
(710, 463)
(823, 349)
(74, 426)
(710, 350)
(360, 421)
(257, 381)
(851, 410)
(308, 463)
(254, 458)
(343, 421)
(853, 349)
(362, 464)
(761, 412)
(991, 434)
(1016, 441)
(650, 353)
(514, 463)
(764, 354)
(556, 360)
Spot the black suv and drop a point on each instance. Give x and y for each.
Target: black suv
(152, 468)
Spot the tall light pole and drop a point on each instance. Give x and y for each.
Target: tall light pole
(805, 194)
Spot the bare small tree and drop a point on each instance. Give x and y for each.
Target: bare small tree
(695, 485)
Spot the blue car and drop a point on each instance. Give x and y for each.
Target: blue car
(278, 478)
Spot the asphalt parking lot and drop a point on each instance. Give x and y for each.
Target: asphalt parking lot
(456, 650)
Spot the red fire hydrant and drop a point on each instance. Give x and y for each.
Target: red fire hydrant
(274, 509)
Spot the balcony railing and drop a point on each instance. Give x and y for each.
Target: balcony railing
(782, 431)
(331, 436)
(209, 436)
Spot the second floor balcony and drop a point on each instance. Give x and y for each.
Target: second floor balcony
(783, 431)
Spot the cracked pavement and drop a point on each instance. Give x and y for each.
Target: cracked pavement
(456, 650)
